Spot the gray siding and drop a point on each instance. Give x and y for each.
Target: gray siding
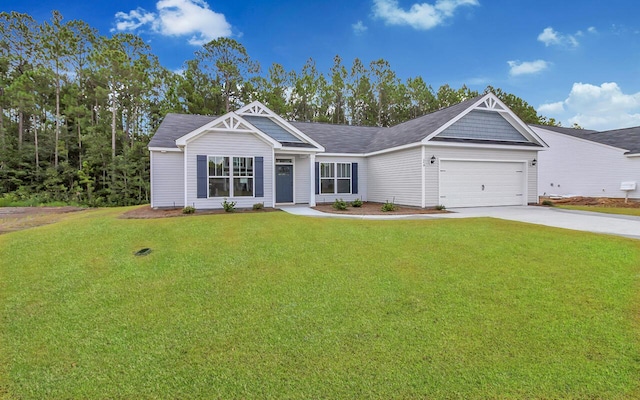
(486, 125)
(432, 175)
(229, 144)
(167, 179)
(396, 175)
(362, 179)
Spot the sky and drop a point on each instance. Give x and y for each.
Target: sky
(575, 61)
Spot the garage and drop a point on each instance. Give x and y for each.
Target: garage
(473, 183)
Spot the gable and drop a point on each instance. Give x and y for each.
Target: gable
(483, 125)
(272, 129)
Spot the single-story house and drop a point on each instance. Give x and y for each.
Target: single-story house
(475, 153)
(582, 162)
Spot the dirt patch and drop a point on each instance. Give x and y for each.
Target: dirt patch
(370, 208)
(146, 212)
(18, 218)
(594, 201)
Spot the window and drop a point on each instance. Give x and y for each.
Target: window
(335, 178)
(225, 181)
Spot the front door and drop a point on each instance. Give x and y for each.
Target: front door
(284, 183)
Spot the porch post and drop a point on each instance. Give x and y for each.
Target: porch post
(312, 181)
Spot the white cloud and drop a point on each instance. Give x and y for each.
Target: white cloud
(133, 20)
(596, 107)
(527, 67)
(551, 37)
(178, 18)
(421, 16)
(592, 29)
(552, 108)
(359, 28)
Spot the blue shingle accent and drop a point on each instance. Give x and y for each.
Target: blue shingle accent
(269, 127)
(483, 125)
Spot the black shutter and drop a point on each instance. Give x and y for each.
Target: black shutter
(354, 178)
(201, 171)
(259, 171)
(317, 178)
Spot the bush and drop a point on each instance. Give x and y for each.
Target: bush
(441, 207)
(356, 203)
(229, 206)
(547, 203)
(258, 206)
(340, 205)
(386, 207)
(188, 210)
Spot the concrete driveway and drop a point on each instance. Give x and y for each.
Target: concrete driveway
(620, 225)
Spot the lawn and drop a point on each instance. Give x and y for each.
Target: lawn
(277, 306)
(607, 210)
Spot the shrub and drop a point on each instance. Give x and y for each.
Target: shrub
(356, 203)
(386, 207)
(188, 210)
(441, 207)
(340, 205)
(229, 206)
(547, 203)
(258, 206)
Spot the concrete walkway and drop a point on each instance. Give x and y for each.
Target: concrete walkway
(620, 225)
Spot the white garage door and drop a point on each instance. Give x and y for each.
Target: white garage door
(482, 183)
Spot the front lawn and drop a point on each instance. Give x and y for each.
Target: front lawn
(277, 306)
(607, 210)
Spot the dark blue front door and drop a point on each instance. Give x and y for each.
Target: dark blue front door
(284, 183)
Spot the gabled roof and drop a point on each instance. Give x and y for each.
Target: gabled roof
(626, 139)
(349, 139)
(176, 130)
(359, 139)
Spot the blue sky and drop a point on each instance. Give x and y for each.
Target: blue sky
(576, 61)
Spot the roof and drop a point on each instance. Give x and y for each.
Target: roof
(174, 126)
(339, 138)
(334, 138)
(366, 139)
(627, 138)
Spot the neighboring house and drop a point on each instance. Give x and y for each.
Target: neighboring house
(588, 163)
(475, 153)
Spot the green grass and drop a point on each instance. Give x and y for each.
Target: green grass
(607, 210)
(277, 306)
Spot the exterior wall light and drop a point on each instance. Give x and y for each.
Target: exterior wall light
(534, 162)
(433, 159)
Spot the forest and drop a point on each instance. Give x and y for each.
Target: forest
(77, 109)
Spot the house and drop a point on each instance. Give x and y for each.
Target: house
(588, 163)
(475, 153)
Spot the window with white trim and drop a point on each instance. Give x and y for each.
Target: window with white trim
(335, 178)
(231, 176)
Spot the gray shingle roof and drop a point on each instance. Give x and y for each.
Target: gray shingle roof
(627, 138)
(339, 138)
(362, 139)
(334, 138)
(174, 126)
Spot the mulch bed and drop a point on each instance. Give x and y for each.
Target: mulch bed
(146, 212)
(594, 201)
(371, 208)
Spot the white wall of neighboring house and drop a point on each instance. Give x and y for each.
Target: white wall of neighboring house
(578, 167)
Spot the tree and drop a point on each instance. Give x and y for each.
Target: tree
(227, 62)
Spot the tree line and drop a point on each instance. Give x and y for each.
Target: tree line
(77, 109)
